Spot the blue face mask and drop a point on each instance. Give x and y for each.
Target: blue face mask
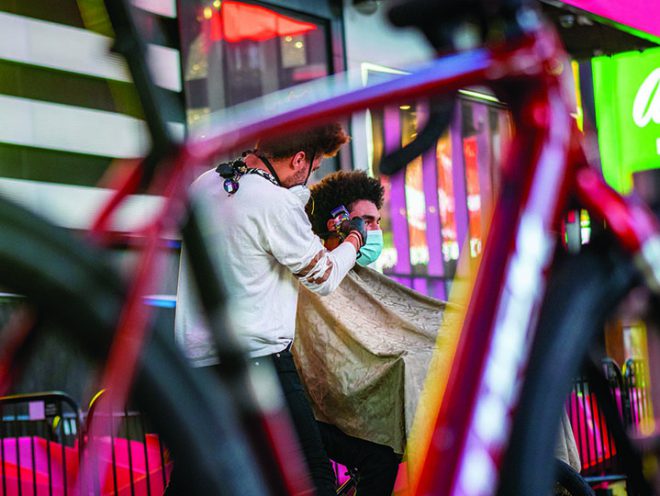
(372, 249)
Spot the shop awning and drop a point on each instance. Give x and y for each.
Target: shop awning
(640, 17)
(603, 27)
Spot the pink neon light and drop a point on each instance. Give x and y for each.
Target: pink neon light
(643, 15)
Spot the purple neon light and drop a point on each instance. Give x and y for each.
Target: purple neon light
(433, 223)
(419, 284)
(392, 126)
(458, 172)
(484, 160)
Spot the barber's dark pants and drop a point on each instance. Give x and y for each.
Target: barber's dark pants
(376, 464)
(302, 417)
(305, 424)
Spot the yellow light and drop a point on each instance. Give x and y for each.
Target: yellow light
(288, 39)
(217, 4)
(208, 13)
(405, 107)
(299, 44)
(579, 111)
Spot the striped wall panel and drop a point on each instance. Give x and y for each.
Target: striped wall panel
(68, 108)
(61, 203)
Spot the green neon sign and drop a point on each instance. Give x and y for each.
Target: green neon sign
(627, 95)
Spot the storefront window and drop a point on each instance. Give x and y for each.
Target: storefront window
(471, 160)
(388, 257)
(447, 203)
(485, 133)
(500, 131)
(415, 199)
(473, 195)
(235, 51)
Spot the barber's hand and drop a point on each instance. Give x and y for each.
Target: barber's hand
(357, 229)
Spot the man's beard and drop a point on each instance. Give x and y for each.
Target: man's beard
(298, 179)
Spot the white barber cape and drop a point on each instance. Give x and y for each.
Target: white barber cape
(363, 354)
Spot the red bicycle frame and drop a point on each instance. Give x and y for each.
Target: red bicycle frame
(545, 166)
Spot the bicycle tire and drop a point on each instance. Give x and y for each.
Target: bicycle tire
(72, 283)
(581, 294)
(568, 482)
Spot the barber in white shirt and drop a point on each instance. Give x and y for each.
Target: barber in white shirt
(265, 247)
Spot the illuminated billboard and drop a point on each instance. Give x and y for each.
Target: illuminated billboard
(627, 96)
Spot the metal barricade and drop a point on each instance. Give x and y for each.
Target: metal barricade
(43, 449)
(598, 452)
(39, 441)
(136, 462)
(630, 389)
(636, 382)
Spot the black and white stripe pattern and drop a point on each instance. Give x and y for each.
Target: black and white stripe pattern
(68, 107)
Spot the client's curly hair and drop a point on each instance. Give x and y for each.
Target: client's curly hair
(341, 188)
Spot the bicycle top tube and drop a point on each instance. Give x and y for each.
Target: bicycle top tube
(524, 57)
(504, 325)
(244, 123)
(329, 99)
(527, 57)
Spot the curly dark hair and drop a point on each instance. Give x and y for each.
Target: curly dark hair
(341, 188)
(318, 141)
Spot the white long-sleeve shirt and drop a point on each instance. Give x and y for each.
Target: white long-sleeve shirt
(264, 246)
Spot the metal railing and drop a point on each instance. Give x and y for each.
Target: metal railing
(600, 459)
(42, 441)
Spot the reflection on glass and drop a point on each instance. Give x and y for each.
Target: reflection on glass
(473, 194)
(236, 51)
(480, 150)
(447, 202)
(388, 257)
(500, 125)
(415, 199)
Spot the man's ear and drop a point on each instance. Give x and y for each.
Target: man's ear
(330, 225)
(298, 160)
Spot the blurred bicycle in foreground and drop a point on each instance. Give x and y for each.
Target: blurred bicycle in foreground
(492, 411)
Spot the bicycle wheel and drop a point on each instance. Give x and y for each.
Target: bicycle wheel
(70, 282)
(569, 483)
(584, 291)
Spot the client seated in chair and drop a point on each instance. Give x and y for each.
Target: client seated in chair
(365, 350)
(373, 458)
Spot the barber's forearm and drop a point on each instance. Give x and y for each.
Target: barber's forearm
(341, 259)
